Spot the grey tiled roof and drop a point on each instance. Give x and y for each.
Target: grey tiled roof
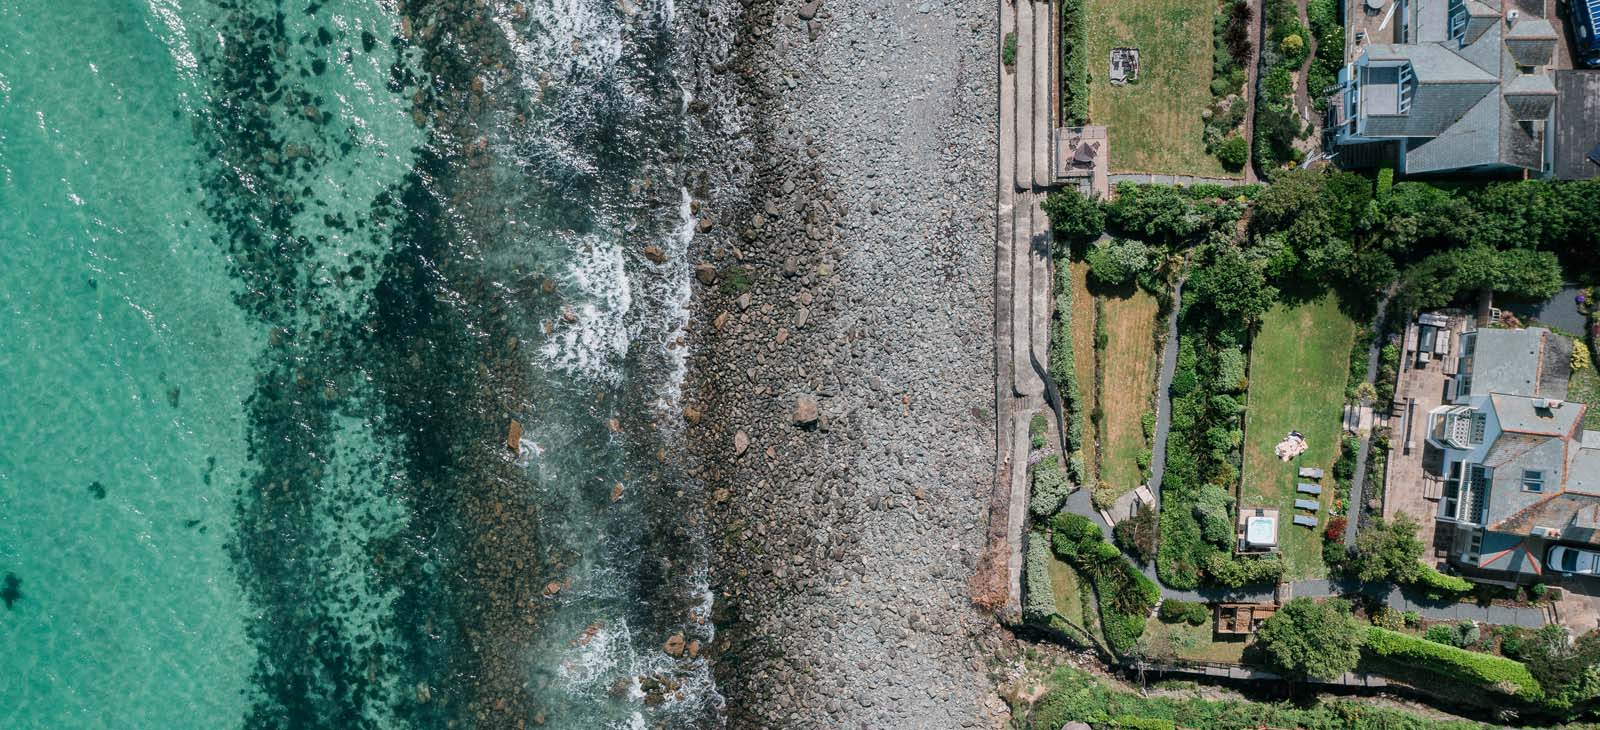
(1506, 495)
(1583, 464)
(1507, 361)
(1434, 108)
(1472, 139)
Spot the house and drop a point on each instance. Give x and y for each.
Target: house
(1519, 471)
(1466, 88)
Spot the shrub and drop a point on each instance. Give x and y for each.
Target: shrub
(1334, 554)
(1412, 619)
(1192, 612)
(1142, 460)
(1476, 671)
(1233, 152)
(1387, 618)
(1147, 423)
(1580, 357)
(1008, 50)
(1126, 596)
(1385, 181)
(1436, 585)
(1050, 488)
(1335, 532)
(1439, 633)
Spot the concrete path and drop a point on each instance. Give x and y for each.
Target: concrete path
(1252, 71)
(1169, 364)
(1148, 177)
(1022, 258)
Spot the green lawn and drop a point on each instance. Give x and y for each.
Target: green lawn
(1130, 380)
(1064, 582)
(1154, 124)
(1192, 643)
(1298, 365)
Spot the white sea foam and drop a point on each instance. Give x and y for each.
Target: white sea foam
(599, 295)
(675, 282)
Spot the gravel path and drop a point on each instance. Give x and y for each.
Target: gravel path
(844, 547)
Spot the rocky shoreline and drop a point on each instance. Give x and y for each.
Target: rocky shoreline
(840, 397)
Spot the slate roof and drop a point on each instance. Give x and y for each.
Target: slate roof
(1583, 464)
(1517, 414)
(1573, 514)
(1471, 104)
(1507, 361)
(1577, 108)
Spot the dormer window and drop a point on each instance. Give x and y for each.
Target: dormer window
(1532, 481)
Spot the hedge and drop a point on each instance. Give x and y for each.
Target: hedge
(1074, 64)
(1228, 570)
(1049, 487)
(1038, 594)
(1077, 695)
(1480, 671)
(1062, 363)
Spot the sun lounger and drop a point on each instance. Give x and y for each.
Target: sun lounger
(1305, 488)
(1309, 504)
(1305, 521)
(1308, 472)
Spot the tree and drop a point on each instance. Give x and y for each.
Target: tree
(1118, 262)
(1074, 218)
(1307, 639)
(1152, 213)
(1442, 277)
(1233, 287)
(1389, 551)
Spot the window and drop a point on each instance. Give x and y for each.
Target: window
(1477, 483)
(1532, 481)
(1458, 21)
(1480, 424)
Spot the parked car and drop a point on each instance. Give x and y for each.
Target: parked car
(1564, 559)
(1585, 18)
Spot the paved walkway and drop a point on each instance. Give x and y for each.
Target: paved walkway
(1169, 364)
(1150, 177)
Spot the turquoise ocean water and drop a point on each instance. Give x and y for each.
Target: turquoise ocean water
(274, 279)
